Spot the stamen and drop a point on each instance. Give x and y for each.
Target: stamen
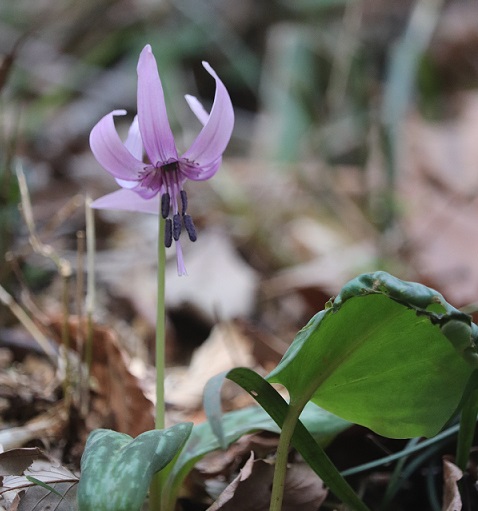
(184, 202)
(176, 226)
(168, 233)
(165, 202)
(169, 167)
(189, 225)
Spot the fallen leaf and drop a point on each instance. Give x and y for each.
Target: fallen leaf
(15, 461)
(251, 489)
(49, 425)
(120, 400)
(228, 493)
(437, 188)
(225, 348)
(36, 481)
(451, 494)
(212, 259)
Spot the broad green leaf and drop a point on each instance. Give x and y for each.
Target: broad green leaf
(117, 470)
(322, 425)
(278, 409)
(390, 355)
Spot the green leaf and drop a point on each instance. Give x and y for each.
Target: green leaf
(390, 355)
(322, 425)
(117, 470)
(277, 408)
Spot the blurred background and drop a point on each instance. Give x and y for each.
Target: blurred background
(355, 149)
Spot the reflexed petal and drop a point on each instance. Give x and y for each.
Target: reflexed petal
(127, 200)
(133, 142)
(156, 133)
(180, 259)
(110, 152)
(197, 173)
(214, 137)
(127, 184)
(198, 110)
(137, 187)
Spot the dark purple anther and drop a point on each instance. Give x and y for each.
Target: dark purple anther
(165, 202)
(176, 226)
(168, 233)
(184, 202)
(189, 225)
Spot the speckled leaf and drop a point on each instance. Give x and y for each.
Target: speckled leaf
(393, 356)
(116, 470)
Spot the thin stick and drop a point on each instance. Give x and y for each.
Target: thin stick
(28, 324)
(90, 282)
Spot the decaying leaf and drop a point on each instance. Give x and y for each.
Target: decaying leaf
(437, 185)
(15, 461)
(32, 480)
(451, 495)
(120, 401)
(49, 425)
(226, 347)
(251, 489)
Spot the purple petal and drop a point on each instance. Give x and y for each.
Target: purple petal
(214, 137)
(180, 259)
(133, 142)
(196, 173)
(198, 110)
(127, 184)
(127, 200)
(154, 126)
(110, 152)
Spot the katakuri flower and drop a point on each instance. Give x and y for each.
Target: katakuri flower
(155, 184)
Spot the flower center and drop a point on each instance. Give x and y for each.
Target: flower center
(169, 205)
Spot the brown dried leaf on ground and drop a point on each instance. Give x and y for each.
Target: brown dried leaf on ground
(251, 489)
(225, 348)
(451, 494)
(32, 480)
(119, 401)
(48, 426)
(220, 284)
(438, 187)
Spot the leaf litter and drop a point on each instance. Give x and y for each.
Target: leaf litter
(282, 277)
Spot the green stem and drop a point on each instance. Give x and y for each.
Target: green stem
(280, 469)
(157, 482)
(160, 327)
(467, 429)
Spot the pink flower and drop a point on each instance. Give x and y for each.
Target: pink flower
(156, 185)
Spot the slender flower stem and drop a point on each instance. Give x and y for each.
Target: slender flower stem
(280, 470)
(160, 328)
(157, 482)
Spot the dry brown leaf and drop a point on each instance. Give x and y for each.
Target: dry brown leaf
(225, 348)
(15, 461)
(437, 187)
(228, 493)
(451, 495)
(27, 467)
(220, 284)
(49, 425)
(251, 489)
(120, 401)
